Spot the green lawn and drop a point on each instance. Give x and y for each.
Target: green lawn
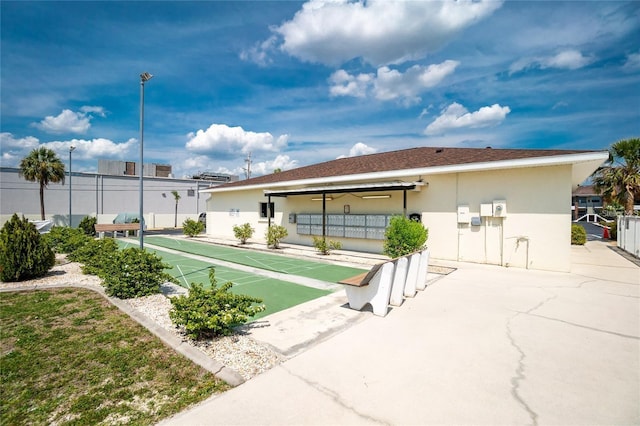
(68, 356)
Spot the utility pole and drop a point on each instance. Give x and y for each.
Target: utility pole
(247, 170)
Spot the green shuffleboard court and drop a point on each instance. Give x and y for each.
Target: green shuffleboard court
(276, 295)
(272, 262)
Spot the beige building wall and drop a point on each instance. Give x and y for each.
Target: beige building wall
(534, 233)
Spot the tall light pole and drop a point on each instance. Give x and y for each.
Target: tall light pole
(71, 148)
(144, 77)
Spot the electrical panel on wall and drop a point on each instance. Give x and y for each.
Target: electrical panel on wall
(463, 214)
(486, 209)
(499, 208)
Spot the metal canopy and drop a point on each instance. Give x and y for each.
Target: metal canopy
(341, 189)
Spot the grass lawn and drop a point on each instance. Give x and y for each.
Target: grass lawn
(67, 356)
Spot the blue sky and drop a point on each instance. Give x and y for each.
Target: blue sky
(297, 83)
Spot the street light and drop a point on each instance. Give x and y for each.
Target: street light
(71, 148)
(144, 77)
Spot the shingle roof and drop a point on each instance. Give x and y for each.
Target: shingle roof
(412, 158)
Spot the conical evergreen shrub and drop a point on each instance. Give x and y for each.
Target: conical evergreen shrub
(23, 253)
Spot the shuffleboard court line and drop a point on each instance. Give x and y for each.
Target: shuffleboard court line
(182, 275)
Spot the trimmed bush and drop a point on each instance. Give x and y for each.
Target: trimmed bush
(404, 236)
(325, 247)
(274, 235)
(191, 227)
(134, 273)
(243, 232)
(95, 255)
(63, 239)
(578, 235)
(88, 225)
(214, 311)
(23, 252)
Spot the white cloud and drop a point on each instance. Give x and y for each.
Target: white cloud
(8, 142)
(98, 110)
(345, 84)
(455, 116)
(70, 122)
(391, 84)
(632, 62)
(282, 162)
(15, 149)
(225, 139)
(380, 32)
(568, 59)
(95, 148)
(360, 149)
(258, 53)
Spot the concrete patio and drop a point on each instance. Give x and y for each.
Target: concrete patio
(482, 345)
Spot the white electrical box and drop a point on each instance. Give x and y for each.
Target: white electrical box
(499, 208)
(463, 214)
(486, 209)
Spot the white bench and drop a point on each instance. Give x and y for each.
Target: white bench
(388, 283)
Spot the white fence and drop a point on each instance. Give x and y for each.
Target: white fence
(629, 234)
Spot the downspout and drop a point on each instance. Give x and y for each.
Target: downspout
(404, 203)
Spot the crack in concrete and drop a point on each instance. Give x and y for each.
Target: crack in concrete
(520, 369)
(336, 398)
(613, 333)
(519, 373)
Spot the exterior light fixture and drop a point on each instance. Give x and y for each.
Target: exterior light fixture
(320, 199)
(144, 77)
(375, 197)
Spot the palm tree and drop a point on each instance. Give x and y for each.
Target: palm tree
(42, 165)
(618, 180)
(177, 197)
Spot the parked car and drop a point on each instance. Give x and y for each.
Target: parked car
(202, 218)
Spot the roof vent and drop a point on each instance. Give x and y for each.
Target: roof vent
(439, 150)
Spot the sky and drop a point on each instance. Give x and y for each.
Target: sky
(297, 83)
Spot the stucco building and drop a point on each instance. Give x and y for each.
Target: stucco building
(498, 206)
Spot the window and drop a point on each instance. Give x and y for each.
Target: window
(263, 209)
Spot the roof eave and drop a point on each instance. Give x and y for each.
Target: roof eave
(586, 159)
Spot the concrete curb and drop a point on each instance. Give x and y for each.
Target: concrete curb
(219, 370)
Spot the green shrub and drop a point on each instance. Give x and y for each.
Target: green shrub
(404, 236)
(192, 227)
(95, 255)
(243, 232)
(578, 234)
(23, 252)
(214, 311)
(325, 248)
(134, 273)
(88, 225)
(274, 235)
(63, 239)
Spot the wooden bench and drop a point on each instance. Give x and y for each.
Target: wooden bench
(101, 228)
(388, 283)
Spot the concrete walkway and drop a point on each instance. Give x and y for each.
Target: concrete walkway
(483, 345)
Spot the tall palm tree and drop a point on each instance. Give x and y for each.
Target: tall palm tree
(618, 180)
(42, 165)
(177, 197)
